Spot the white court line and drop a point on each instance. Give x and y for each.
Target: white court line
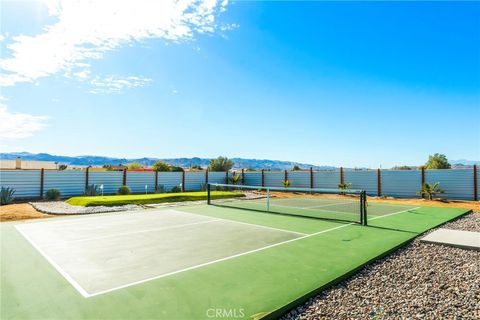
(87, 295)
(219, 260)
(246, 223)
(391, 214)
(56, 266)
(135, 232)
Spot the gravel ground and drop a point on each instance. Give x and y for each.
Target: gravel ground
(60, 207)
(420, 281)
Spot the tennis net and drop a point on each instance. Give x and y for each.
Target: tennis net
(330, 204)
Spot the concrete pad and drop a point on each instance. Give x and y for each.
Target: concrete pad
(454, 238)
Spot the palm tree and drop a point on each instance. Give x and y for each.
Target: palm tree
(430, 189)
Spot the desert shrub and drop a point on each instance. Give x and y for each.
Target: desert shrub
(124, 190)
(6, 195)
(431, 190)
(161, 188)
(92, 190)
(344, 186)
(53, 194)
(177, 189)
(235, 178)
(286, 183)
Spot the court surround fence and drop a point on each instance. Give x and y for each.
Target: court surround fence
(457, 183)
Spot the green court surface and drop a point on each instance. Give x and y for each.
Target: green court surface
(190, 262)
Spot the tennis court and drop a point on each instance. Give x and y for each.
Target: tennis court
(183, 262)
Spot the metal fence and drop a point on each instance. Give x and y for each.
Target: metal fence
(457, 183)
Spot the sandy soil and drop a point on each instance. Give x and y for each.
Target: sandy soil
(20, 211)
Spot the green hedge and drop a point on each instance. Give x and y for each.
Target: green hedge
(148, 198)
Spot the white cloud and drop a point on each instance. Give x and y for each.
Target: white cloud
(86, 29)
(18, 125)
(115, 84)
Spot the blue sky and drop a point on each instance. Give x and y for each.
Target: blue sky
(334, 83)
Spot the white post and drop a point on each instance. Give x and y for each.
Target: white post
(101, 188)
(146, 187)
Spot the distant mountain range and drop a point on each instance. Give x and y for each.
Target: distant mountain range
(179, 162)
(186, 162)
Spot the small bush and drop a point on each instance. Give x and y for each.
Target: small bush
(286, 183)
(161, 188)
(52, 194)
(123, 190)
(6, 195)
(92, 190)
(177, 189)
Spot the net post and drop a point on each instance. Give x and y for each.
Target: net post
(208, 193)
(263, 177)
(364, 211)
(243, 176)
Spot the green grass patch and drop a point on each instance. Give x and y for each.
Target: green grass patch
(119, 200)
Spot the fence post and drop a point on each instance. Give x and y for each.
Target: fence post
(226, 177)
(87, 173)
(124, 182)
(156, 180)
(183, 181)
(286, 175)
(263, 177)
(206, 176)
(423, 181)
(42, 180)
(379, 183)
(475, 183)
(243, 176)
(311, 178)
(341, 175)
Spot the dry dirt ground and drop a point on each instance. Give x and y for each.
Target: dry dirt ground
(23, 211)
(20, 211)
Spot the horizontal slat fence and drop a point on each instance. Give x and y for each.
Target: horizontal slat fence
(169, 179)
(326, 179)
(194, 181)
(401, 183)
(138, 180)
(25, 183)
(362, 180)
(274, 178)
(457, 183)
(111, 180)
(70, 183)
